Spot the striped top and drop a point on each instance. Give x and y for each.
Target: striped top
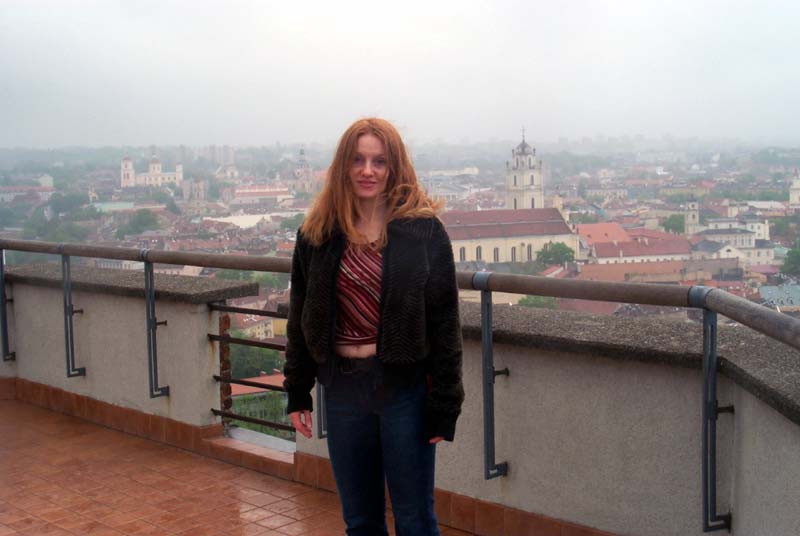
(358, 294)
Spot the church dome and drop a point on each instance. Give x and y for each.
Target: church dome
(155, 160)
(126, 158)
(523, 148)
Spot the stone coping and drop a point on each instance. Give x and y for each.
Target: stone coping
(131, 283)
(767, 368)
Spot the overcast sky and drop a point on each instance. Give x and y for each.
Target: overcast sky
(252, 73)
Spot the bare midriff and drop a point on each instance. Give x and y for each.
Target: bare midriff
(356, 351)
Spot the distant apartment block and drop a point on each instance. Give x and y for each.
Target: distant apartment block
(21, 193)
(154, 176)
(258, 193)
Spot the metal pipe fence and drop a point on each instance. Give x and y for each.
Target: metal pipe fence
(712, 301)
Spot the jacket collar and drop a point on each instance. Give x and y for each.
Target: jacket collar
(417, 228)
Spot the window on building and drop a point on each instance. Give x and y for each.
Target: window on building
(462, 254)
(533, 203)
(515, 180)
(530, 251)
(478, 253)
(496, 255)
(515, 203)
(531, 180)
(514, 253)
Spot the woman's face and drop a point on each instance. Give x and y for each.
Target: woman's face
(369, 168)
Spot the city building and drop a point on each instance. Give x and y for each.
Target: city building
(794, 190)
(524, 188)
(155, 176)
(506, 236)
(304, 179)
(640, 251)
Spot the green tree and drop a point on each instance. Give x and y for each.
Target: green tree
(143, 220)
(557, 253)
(68, 202)
(779, 227)
(676, 223)
(233, 275)
(172, 207)
(293, 223)
(162, 196)
(791, 265)
(270, 280)
(89, 212)
(249, 361)
(539, 302)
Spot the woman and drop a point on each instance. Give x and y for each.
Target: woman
(374, 317)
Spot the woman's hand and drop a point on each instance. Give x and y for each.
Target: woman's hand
(435, 440)
(301, 420)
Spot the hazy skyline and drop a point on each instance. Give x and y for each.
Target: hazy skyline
(252, 73)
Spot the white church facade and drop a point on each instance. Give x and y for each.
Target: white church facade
(154, 176)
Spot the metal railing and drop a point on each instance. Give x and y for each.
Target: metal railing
(712, 301)
(225, 375)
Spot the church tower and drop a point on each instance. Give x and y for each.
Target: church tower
(691, 218)
(794, 191)
(127, 175)
(524, 187)
(155, 166)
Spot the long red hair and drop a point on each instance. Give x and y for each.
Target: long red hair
(336, 204)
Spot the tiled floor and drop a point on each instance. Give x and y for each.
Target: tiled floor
(60, 475)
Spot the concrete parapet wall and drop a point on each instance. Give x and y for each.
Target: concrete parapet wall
(613, 443)
(111, 342)
(110, 338)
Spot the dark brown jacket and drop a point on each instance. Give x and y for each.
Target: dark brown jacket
(419, 325)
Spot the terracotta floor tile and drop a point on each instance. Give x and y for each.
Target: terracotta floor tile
(26, 523)
(61, 475)
(273, 522)
(52, 514)
(281, 507)
(251, 516)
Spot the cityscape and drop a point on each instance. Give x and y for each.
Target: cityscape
(620, 185)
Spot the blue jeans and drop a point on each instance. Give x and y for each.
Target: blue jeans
(376, 434)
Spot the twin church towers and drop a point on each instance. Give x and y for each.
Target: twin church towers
(524, 187)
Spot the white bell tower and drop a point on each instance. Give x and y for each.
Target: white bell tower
(127, 175)
(524, 187)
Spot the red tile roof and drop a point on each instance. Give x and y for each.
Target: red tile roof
(595, 233)
(640, 249)
(504, 223)
(275, 380)
(651, 234)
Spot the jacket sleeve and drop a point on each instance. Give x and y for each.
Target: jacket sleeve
(300, 368)
(443, 327)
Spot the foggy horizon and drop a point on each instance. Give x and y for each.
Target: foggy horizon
(253, 74)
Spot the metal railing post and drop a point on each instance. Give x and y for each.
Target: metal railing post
(491, 469)
(710, 411)
(7, 355)
(322, 420)
(69, 312)
(152, 326)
